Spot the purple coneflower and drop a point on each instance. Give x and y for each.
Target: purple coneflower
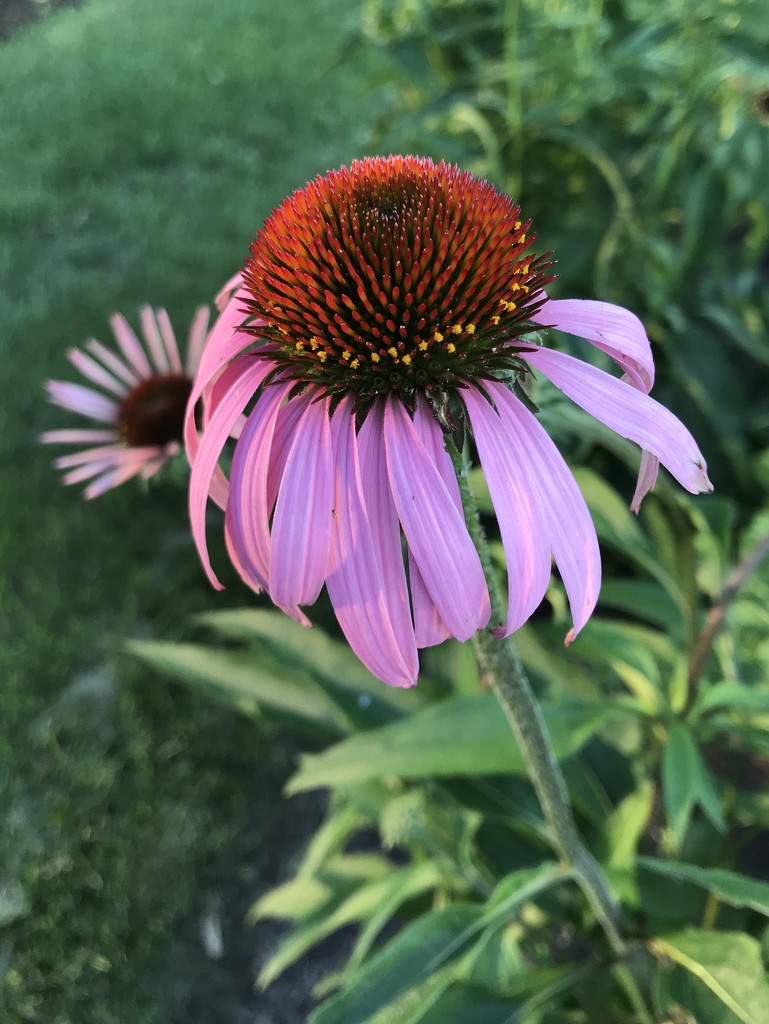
(380, 304)
(139, 398)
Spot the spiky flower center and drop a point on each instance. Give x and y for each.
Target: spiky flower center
(395, 274)
(152, 413)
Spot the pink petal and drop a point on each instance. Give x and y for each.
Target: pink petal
(614, 330)
(129, 345)
(385, 533)
(225, 293)
(647, 478)
(82, 400)
(563, 514)
(288, 417)
(112, 362)
(301, 531)
(629, 413)
(434, 528)
(248, 514)
(105, 453)
(108, 481)
(527, 550)
(354, 584)
(196, 339)
(169, 340)
(154, 342)
(95, 373)
(76, 436)
(224, 343)
(429, 627)
(211, 445)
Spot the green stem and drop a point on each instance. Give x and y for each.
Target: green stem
(503, 672)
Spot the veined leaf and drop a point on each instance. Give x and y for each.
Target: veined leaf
(463, 735)
(410, 958)
(728, 963)
(729, 886)
(686, 781)
(237, 678)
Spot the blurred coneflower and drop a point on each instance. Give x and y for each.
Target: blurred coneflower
(139, 397)
(382, 305)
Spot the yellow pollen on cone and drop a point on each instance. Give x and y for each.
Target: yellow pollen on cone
(407, 360)
(393, 351)
(470, 329)
(451, 347)
(422, 346)
(375, 357)
(438, 336)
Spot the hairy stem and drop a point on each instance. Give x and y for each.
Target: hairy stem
(503, 673)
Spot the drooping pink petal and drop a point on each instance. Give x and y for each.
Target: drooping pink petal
(91, 370)
(526, 545)
(563, 514)
(210, 450)
(224, 343)
(153, 340)
(435, 530)
(288, 417)
(112, 362)
(385, 532)
(248, 514)
(227, 290)
(301, 530)
(429, 627)
(629, 413)
(82, 400)
(354, 583)
(614, 330)
(647, 478)
(129, 345)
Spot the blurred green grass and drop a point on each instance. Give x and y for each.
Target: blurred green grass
(143, 144)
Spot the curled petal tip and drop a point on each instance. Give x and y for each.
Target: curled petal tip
(568, 640)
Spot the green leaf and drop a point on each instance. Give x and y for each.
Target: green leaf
(352, 898)
(686, 781)
(311, 651)
(238, 679)
(729, 886)
(410, 958)
(733, 695)
(642, 599)
(462, 735)
(728, 963)
(461, 1004)
(627, 824)
(429, 945)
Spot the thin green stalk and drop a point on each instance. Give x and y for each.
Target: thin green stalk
(502, 671)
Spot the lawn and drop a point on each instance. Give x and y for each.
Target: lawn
(143, 144)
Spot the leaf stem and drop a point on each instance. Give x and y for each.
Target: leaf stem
(717, 613)
(503, 672)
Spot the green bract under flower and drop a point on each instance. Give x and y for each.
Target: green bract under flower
(393, 275)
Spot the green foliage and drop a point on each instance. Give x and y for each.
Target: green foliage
(649, 751)
(635, 136)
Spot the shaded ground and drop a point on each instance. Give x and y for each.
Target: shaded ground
(143, 144)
